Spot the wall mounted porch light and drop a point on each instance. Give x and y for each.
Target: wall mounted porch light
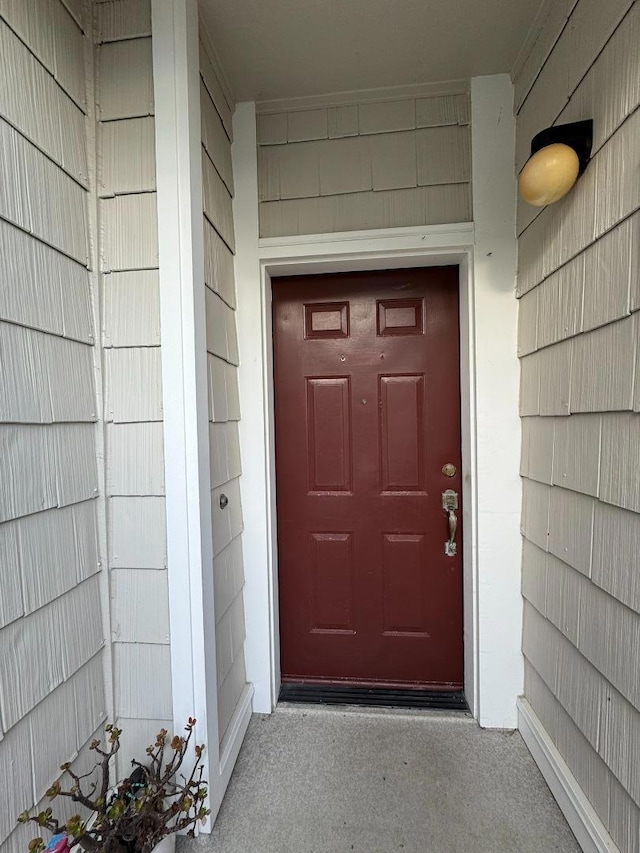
(559, 155)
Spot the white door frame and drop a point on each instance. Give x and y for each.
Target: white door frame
(391, 249)
(486, 253)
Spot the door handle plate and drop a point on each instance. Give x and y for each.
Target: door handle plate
(450, 505)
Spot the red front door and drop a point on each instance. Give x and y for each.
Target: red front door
(367, 412)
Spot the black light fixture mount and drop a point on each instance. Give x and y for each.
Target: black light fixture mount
(559, 156)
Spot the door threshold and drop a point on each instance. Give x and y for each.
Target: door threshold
(342, 694)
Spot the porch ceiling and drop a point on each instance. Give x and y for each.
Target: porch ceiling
(289, 48)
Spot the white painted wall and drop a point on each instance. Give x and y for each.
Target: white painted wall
(579, 342)
(54, 666)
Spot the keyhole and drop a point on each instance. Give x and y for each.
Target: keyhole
(363, 401)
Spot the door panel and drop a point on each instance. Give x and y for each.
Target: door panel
(367, 410)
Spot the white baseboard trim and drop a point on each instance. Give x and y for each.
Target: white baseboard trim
(232, 741)
(580, 814)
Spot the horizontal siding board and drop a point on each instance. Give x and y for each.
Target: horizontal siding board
(342, 121)
(125, 79)
(442, 110)
(384, 209)
(218, 265)
(540, 450)
(143, 680)
(560, 303)
(137, 735)
(32, 20)
(77, 10)
(228, 576)
(215, 89)
(229, 694)
(44, 467)
(134, 384)
(58, 372)
(272, 129)
(16, 778)
(217, 320)
(619, 481)
(41, 288)
(535, 513)
(68, 43)
(135, 459)
(576, 454)
(11, 601)
(268, 173)
(624, 815)
(217, 202)
(608, 271)
(32, 662)
(300, 170)
(131, 309)
(137, 536)
(27, 472)
(556, 15)
(444, 155)
(57, 206)
(128, 156)
(71, 448)
(344, 165)
(610, 91)
(130, 232)
(383, 117)
(528, 322)
(555, 366)
(393, 161)
(617, 193)
(591, 25)
(603, 374)
(90, 698)
(79, 614)
(139, 606)
(230, 634)
(571, 528)
(304, 125)
(53, 736)
(563, 597)
(215, 139)
(123, 19)
(227, 522)
(620, 629)
(52, 546)
(546, 100)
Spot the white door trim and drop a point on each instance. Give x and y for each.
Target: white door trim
(486, 253)
(392, 248)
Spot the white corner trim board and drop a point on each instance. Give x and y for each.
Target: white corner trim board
(580, 814)
(184, 373)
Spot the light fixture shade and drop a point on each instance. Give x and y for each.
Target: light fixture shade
(549, 174)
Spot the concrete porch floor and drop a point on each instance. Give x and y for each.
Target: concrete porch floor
(317, 780)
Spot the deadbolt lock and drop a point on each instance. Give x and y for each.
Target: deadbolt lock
(449, 470)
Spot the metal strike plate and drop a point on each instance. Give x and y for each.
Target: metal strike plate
(449, 500)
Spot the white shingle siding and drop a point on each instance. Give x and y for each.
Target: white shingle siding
(134, 448)
(368, 165)
(222, 367)
(579, 339)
